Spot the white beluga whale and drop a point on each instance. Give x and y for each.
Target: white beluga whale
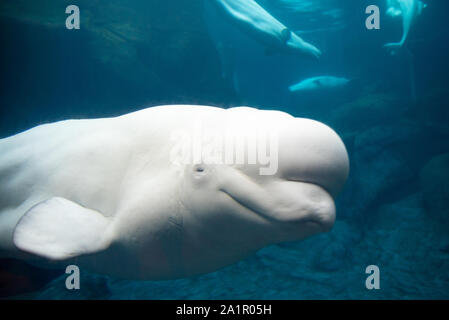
(321, 82)
(408, 10)
(166, 192)
(259, 24)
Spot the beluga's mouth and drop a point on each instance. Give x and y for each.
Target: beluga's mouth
(286, 202)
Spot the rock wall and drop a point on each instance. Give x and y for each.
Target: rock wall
(126, 55)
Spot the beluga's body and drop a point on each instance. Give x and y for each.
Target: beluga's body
(168, 191)
(408, 10)
(259, 24)
(321, 82)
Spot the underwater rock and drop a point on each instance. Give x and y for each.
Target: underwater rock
(401, 241)
(435, 185)
(19, 279)
(366, 111)
(92, 286)
(377, 169)
(136, 53)
(385, 163)
(431, 107)
(322, 254)
(332, 258)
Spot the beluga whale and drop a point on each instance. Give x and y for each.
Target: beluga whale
(320, 82)
(256, 22)
(408, 10)
(168, 191)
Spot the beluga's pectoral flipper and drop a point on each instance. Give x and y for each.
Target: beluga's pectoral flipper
(60, 229)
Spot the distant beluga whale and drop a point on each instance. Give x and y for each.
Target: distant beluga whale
(409, 10)
(152, 194)
(256, 22)
(321, 82)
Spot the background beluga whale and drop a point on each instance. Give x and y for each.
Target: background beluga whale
(118, 195)
(408, 10)
(255, 21)
(320, 82)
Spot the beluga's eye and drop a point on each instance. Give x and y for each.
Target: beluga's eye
(199, 169)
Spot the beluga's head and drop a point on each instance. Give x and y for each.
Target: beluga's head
(260, 177)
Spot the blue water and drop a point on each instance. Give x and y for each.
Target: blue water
(393, 118)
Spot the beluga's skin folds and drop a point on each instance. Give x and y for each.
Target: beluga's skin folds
(255, 21)
(133, 196)
(408, 10)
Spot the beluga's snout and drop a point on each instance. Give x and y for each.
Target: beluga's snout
(313, 153)
(313, 166)
(298, 199)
